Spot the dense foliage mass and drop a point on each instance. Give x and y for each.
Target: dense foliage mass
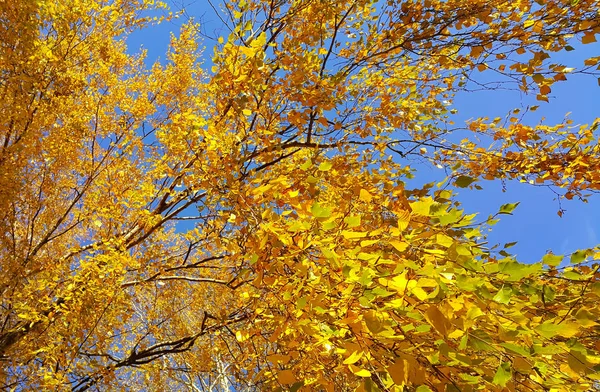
(248, 224)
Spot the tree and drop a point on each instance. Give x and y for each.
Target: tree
(251, 226)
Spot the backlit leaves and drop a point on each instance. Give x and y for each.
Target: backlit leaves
(503, 374)
(253, 221)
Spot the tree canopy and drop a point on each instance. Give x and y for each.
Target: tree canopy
(249, 223)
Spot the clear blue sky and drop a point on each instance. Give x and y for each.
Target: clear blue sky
(535, 223)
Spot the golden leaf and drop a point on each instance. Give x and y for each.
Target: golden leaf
(437, 319)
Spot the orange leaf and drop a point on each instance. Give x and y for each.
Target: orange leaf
(588, 38)
(437, 320)
(544, 89)
(399, 371)
(286, 377)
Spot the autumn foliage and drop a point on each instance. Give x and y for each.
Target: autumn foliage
(247, 223)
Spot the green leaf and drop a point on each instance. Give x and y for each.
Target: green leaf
(517, 271)
(503, 295)
(552, 260)
(574, 275)
(370, 386)
(508, 208)
(463, 342)
(491, 221)
(422, 206)
(548, 349)
(320, 212)
(550, 330)
(306, 165)
(463, 181)
(422, 388)
(452, 216)
(296, 386)
(595, 287)
(578, 363)
(516, 349)
(301, 303)
(503, 374)
(352, 221)
(325, 166)
(549, 293)
(578, 257)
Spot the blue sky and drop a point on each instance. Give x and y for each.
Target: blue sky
(535, 223)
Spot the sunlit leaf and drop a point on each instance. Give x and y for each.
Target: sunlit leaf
(503, 374)
(552, 260)
(508, 208)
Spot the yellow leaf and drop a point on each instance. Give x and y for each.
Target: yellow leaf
(353, 358)
(241, 336)
(365, 243)
(247, 112)
(403, 219)
(352, 221)
(422, 207)
(474, 312)
(325, 166)
(419, 293)
(399, 245)
(365, 196)
(399, 283)
(427, 282)
(349, 235)
(242, 78)
(443, 240)
(359, 372)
